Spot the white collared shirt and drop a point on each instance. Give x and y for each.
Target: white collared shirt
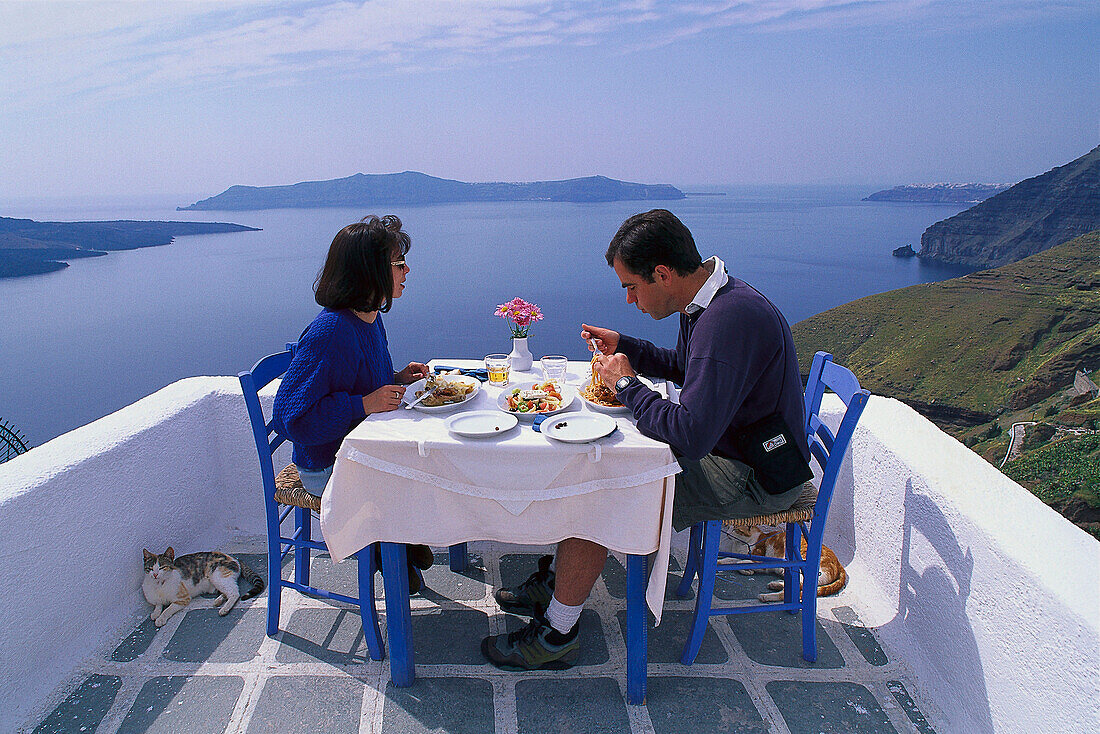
(717, 279)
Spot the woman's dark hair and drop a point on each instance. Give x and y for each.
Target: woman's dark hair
(358, 273)
(654, 238)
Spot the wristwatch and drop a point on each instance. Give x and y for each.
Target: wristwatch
(624, 382)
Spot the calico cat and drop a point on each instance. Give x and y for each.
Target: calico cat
(171, 582)
(830, 579)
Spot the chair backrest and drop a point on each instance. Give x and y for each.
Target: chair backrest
(261, 374)
(827, 448)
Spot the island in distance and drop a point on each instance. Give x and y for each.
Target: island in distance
(413, 188)
(28, 247)
(939, 193)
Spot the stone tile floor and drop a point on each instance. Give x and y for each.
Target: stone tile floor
(206, 673)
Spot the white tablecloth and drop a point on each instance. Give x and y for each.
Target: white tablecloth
(402, 477)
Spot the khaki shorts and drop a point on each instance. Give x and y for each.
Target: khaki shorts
(717, 488)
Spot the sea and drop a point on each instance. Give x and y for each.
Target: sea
(85, 341)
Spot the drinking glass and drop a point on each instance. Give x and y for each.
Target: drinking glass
(498, 366)
(554, 367)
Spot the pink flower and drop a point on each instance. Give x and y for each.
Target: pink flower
(521, 313)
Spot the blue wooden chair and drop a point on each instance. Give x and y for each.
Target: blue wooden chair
(284, 494)
(813, 506)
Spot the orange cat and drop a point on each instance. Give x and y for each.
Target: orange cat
(830, 580)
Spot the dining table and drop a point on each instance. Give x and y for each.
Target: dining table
(413, 476)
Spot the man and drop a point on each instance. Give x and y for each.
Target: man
(736, 361)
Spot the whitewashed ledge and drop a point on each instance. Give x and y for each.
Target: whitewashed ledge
(991, 599)
(177, 467)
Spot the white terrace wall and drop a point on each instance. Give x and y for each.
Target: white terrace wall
(991, 598)
(176, 468)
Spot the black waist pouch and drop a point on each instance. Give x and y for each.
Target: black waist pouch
(768, 447)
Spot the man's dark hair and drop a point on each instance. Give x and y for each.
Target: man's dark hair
(654, 238)
(358, 273)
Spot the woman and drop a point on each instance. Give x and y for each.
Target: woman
(341, 371)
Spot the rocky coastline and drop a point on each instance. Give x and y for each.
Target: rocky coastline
(1032, 216)
(28, 247)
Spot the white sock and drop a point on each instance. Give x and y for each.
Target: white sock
(562, 617)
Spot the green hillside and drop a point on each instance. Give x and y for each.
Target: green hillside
(979, 353)
(963, 351)
(1065, 474)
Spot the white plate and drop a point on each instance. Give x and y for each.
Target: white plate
(481, 423)
(411, 390)
(568, 393)
(578, 427)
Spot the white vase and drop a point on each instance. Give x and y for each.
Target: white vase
(521, 355)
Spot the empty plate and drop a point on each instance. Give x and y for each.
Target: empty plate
(578, 427)
(481, 423)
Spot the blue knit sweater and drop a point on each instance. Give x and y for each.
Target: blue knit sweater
(737, 363)
(339, 359)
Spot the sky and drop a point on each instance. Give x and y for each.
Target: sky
(189, 98)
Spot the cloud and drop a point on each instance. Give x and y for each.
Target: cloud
(56, 53)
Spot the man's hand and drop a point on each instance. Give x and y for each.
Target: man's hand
(411, 374)
(606, 339)
(384, 399)
(611, 367)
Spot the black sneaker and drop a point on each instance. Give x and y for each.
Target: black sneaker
(538, 646)
(420, 556)
(533, 594)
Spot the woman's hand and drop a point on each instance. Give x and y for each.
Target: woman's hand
(411, 374)
(606, 339)
(384, 399)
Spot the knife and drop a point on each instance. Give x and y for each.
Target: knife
(423, 395)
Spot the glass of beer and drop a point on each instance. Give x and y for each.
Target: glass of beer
(498, 366)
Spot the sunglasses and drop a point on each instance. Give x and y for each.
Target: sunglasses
(397, 263)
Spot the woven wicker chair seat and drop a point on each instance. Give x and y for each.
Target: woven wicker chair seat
(289, 490)
(801, 511)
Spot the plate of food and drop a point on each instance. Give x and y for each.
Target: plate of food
(481, 423)
(602, 398)
(447, 392)
(538, 398)
(578, 427)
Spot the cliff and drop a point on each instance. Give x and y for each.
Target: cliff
(964, 350)
(28, 247)
(412, 188)
(939, 193)
(1030, 217)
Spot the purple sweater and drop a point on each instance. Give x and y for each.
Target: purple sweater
(737, 364)
(338, 360)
